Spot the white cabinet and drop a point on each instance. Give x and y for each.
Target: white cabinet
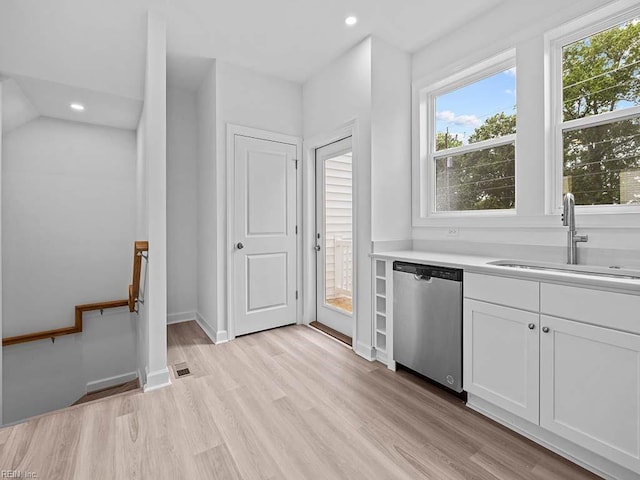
(590, 388)
(577, 377)
(511, 292)
(501, 357)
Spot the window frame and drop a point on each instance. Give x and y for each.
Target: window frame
(555, 40)
(426, 93)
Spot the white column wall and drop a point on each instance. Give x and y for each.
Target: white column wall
(339, 94)
(154, 134)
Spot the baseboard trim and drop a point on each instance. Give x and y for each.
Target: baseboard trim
(110, 381)
(142, 379)
(569, 450)
(204, 325)
(382, 357)
(365, 351)
(180, 317)
(157, 379)
(222, 336)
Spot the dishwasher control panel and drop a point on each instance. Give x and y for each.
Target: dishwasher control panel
(431, 271)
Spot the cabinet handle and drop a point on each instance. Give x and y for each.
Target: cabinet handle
(545, 329)
(532, 326)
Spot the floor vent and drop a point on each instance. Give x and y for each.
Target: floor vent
(182, 370)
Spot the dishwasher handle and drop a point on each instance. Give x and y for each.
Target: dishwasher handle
(424, 278)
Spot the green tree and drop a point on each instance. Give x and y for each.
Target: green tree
(601, 74)
(445, 140)
(480, 180)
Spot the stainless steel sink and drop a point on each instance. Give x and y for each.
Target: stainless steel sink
(586, 270)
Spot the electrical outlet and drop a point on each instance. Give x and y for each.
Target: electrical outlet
(453, 232)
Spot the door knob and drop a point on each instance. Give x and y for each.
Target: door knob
(545, 329)
(239, 246)
(317, 248)
(532, 326)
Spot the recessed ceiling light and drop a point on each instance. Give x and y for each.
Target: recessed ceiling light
(78, 107)
(351, 21)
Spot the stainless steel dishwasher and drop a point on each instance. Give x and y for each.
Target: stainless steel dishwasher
(427, 321)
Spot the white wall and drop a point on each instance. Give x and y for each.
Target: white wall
(206, 238)
(67, 192)
(333, 97)
(1, 308)
(241, 97)
(142, 233)
(390, 143)
(521, 25)
(152, 339)
(182, 178)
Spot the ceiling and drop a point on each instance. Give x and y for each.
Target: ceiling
(100, 45)
(26, 98)
(16, 107)
(293, 39)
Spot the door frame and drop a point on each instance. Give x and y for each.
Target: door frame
(242, 131)
(310, 145)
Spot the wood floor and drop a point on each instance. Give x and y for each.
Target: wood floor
(288, 403)
(343, 303)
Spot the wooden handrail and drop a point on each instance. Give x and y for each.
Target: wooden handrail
(134, 290)
(58, 332)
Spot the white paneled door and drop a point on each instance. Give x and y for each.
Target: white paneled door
(265, 257)
(334, 236)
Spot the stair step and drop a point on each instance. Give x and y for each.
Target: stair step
(108, 392)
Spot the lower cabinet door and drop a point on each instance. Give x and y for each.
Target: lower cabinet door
(501, 355)
(590, 388)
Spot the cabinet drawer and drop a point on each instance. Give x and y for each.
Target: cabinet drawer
(606, 309)
(512, 292)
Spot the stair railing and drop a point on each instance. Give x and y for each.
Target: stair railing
(139, 252)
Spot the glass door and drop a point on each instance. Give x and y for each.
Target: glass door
(334, 236)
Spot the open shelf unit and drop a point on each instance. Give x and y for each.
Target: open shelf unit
(381, 304)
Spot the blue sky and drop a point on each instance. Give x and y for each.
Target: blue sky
(466, 108)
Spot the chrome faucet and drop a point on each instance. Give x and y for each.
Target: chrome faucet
(569, 220)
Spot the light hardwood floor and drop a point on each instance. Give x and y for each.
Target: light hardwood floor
(287, 403)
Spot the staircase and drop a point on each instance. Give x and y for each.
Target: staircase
(132, 386)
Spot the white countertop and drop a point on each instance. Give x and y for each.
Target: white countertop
(480, 264)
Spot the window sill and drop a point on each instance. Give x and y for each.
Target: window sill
(592, 220)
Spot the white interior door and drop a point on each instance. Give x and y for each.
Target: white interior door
(265, 257)
(334, 236)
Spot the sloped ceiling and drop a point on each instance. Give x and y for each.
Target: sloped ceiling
(17, 110)
(25, 98)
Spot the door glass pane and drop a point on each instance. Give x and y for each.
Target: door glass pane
(338, 258)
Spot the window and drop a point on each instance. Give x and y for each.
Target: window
(595, 112)
(469, 143)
